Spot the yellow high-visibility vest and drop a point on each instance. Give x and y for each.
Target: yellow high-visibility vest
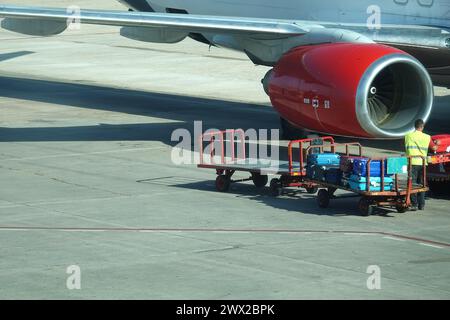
(417, 144)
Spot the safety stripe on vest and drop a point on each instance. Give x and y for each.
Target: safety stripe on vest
(416, 147)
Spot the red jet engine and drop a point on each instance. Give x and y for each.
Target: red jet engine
(347, 89)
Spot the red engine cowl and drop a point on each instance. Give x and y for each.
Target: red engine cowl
(358, 90)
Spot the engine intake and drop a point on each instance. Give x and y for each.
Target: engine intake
(358, 90)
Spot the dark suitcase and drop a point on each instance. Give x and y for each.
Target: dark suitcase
(360, 167)
(444, 142)
(333, 176)
(320, 173)
(323, 159)
(346, 163)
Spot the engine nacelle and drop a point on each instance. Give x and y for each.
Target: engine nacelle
(157, 35)
(357, 90)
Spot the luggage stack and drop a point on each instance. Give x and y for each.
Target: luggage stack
(351, 171)
(324, 167)
(355, 172)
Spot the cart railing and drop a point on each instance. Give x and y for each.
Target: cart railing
(335, 145)
(212, 138)
(409, 182)
(301, 145)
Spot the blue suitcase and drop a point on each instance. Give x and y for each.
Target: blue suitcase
(360, 167)
(323, 159)
(358, 183)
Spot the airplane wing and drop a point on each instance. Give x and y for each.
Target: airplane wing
(263, 40)
(58, 17)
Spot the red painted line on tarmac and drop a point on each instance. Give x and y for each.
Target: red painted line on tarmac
(111, 229)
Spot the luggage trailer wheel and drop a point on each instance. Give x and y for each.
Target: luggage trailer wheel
(401, 208)
(223, 183)
(259, 180)
(276, 187)
(323, 198)
(365, 207)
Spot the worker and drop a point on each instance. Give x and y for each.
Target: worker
(417, 144)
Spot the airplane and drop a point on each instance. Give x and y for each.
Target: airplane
(350, 68)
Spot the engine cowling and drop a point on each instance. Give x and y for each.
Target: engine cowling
(357, 90)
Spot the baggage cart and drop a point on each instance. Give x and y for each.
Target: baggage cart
(227, 155)
(397, 197)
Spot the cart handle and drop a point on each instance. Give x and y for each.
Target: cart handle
(301, 144)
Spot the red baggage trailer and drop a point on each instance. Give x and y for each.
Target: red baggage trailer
(438, 174)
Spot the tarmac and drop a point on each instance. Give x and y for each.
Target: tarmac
(86, 179)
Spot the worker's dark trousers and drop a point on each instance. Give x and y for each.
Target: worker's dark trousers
(417, 200)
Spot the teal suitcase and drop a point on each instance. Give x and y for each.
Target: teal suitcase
(397, 165)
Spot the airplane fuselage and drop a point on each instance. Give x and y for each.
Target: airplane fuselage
(365, 17)
(406, 12)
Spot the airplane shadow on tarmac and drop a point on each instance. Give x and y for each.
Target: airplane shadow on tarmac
(214, 113)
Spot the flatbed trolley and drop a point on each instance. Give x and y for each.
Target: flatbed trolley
(398, 197)
(292, 173)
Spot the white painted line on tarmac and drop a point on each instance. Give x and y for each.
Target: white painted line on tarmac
(431, 245)
(66, 230)
(359, 234)
(396, 239)
(13, 229)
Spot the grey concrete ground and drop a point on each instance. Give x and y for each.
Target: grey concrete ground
(87, 180)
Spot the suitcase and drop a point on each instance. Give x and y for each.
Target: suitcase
(358, 183)
(360, 167)
(444, 140)
(333, 176)
(319, 173)
(346, 163)
(397, 166)
(323, 159)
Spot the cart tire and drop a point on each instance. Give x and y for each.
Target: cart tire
(365, 207)
(312, 190)
(276, 187)
(323, 198)
(223, 183)
(401, 209)
(259, 180)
